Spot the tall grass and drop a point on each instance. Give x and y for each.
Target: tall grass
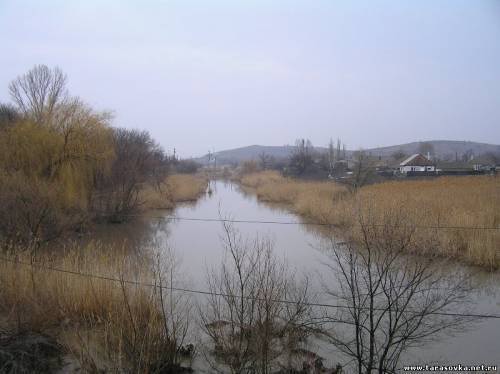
(176, 188)
(448, 201)
(104, 325)
(186, 187)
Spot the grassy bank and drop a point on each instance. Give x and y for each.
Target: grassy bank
(176, 188)
(451, 202)
(99, 325)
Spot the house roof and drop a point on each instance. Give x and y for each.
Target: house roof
(417, 160)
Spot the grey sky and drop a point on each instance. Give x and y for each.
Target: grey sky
(205, 75)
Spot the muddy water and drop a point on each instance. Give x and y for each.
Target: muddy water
(198, 245)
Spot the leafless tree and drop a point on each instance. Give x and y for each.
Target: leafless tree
(390, 300)
(331, 157)
(302, 156)
(37, 92)
(398, 155)
(338, 154)
(362, 171)
(8, 115)
(265, 160)
(426, 148)
(249, 327)
(138, 160)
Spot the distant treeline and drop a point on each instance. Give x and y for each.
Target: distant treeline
(63, 165)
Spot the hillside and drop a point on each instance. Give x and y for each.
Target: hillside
(251, 152)
(442, 149)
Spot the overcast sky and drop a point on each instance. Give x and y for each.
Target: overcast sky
(203, 75)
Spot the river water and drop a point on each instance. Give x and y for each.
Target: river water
(198, 245)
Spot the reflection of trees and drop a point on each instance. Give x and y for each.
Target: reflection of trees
(133, 237)
(249, 329)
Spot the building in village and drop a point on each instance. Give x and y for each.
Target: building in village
(417, 163)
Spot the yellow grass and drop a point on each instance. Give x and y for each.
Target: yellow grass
(176, 188)
(103, 324)
(448, 201)
(186, 187)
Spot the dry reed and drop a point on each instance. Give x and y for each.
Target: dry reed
(443, 202)
(176, 188)
(104, 325)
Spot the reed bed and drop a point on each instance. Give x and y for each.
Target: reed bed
(186, 187)
(103, 325)
(434, 207)
(176, 188)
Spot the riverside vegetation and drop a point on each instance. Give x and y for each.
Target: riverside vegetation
(103, 309)
(64, 168)
(446, 202)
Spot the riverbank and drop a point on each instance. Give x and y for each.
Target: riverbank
(57, 319)
(439, 209)
(98, 332)
(174, 189)
(96, 321)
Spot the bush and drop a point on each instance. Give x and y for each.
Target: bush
(33, 210)
(186, 167)
(248, 167)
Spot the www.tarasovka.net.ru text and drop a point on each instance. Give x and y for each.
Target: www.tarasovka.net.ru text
(457, 368)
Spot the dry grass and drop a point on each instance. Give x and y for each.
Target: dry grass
(447, 201)
(104, 325)
(186, 187)
(176, 188)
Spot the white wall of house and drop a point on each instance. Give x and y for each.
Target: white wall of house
(405, 169)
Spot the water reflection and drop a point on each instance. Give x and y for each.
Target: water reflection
(198, 245)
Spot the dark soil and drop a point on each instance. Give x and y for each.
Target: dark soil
(29, 352)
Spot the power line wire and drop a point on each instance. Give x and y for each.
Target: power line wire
(179, 218)
(210, 293)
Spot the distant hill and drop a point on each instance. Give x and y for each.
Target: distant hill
(442, 149)
(250, 152)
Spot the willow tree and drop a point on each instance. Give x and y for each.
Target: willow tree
(52, 149)
(84, 148)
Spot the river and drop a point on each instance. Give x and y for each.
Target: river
(197, 244)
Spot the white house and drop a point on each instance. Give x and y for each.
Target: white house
(418, 163)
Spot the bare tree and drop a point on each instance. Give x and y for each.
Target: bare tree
(426, 148)
(138, 160)
(244, 317)
(390, 300)
(338, 154)
(362, 171)
(331, 157)
(302, 156)
(37, 92)
(8, 115)
(265, 160)
(398, 155)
